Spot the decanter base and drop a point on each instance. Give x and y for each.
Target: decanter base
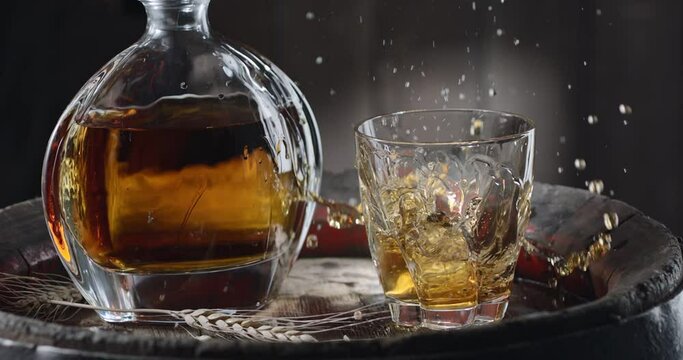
(120, 296)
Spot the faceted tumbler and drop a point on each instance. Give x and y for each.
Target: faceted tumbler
(446, 201)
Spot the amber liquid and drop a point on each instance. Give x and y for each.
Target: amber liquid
(392, 270)
(444, 268)
(170, 189)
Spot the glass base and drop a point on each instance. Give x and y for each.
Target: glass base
(404, 314)
(121, 293)
(447, 319)
(491, 311)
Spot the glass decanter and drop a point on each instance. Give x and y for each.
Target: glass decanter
(176, 177)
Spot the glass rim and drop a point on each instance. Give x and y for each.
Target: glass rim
(502, 138)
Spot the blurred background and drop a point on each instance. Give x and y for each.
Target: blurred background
(555, 61)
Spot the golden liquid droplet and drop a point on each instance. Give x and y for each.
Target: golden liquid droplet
(596, 186)
(476, 127)
(245, 152)
(611, 220)
(580, 164)
(312, 241)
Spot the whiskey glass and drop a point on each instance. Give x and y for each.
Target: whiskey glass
(176, 176)
(449, 191)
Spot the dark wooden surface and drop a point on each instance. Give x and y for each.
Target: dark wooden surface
(635, 308)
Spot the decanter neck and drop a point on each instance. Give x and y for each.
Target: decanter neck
(176, 15)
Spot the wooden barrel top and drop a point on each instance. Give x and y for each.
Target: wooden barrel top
(629, 304)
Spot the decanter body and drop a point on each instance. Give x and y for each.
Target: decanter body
(177, 176)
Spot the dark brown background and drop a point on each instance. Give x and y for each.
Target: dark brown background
(632, 50)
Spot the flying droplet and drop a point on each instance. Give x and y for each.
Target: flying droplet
(580, 164)
(515, 41)
(476, 127)
(625, 170)
(310, 15)
(332, 92)
(592, 119)
(474, 5)
(598, 12)
(407, 84)
(445, 92)
(625, 109)
(625, 122)
(394, 71)
(245, 152)
(560, 169)
(596, 186)
(183, 85)
(319, 60)
(311, 241)
(585, 63)
(461, 96)
(604, 243)
(492, 92)
(569, 86)
(611, 220)
(499, 32)
(563, 139)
